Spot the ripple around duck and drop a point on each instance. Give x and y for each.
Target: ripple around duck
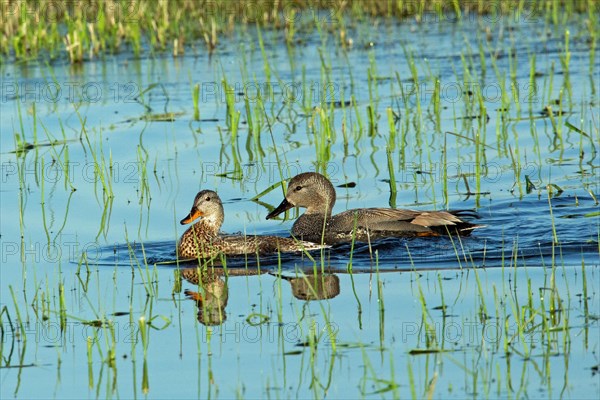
(514, 234)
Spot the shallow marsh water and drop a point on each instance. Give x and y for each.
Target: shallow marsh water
(511, 311)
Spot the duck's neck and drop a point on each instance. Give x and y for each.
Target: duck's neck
(208, 226)
(212, 222)
(324, 206)
(310, 226)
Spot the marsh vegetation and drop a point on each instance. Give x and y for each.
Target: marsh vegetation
(115, 114)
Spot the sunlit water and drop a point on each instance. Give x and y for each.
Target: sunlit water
(256, 337)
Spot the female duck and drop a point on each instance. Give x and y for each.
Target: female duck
(203, 240)
(315, 193)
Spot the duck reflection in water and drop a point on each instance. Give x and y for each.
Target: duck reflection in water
(307, 286)
(213, 300)
(215, 294)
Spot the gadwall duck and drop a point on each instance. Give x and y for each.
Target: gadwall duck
(203, 240)
(314, 192)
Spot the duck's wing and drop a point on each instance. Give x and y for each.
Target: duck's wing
(399, 220)
(436, 218)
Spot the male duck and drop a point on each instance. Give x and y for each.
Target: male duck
(203, 240)
(314, 192)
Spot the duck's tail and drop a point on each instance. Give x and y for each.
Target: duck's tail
(463, 228)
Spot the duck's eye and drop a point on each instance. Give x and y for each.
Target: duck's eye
(207, 198)
(298, 188)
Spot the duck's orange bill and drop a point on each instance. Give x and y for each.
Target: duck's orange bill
(194, 214)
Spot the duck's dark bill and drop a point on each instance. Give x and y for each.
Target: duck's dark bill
(284, 206)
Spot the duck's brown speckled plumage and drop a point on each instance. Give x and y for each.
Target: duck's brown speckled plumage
(203, 240)
(315, 193)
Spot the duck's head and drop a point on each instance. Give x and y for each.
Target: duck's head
(207, 205)
(309, 190)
